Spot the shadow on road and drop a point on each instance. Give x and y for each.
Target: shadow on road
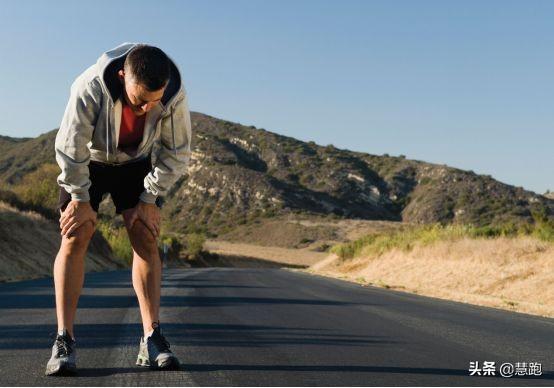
(199, 368)
(47, 301)
(184, 335)
(348, 368)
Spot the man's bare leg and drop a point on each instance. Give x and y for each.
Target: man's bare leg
(147, 272)
(69, 273)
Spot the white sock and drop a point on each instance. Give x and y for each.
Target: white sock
(60, 332)
(149, 334)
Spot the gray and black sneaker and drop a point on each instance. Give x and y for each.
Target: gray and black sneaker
(63, 357)
(154, 352)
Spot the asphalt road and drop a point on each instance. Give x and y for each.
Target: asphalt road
(233, 326)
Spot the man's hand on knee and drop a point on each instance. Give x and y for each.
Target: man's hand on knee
(149, 215)
(76, 214)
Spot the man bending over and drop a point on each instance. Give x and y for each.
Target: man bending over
(131, 98)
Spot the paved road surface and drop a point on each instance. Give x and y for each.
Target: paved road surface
(233, 326)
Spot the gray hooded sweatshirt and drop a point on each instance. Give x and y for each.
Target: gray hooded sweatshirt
(90, 129)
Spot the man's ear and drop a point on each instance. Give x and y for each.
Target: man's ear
(121, 76)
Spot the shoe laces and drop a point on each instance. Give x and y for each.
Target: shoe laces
(63, 345)
(159, 340)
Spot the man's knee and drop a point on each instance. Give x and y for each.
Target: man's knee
(142, 239)
(81, 237)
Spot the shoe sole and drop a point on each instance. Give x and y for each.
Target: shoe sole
(143, 361)
(170, 364)
(62, 370)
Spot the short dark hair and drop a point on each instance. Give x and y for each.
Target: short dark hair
(148, 65)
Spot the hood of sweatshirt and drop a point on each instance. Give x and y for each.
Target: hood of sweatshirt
(111, 62)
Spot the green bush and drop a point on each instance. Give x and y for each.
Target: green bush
(39, 188)
(544, 230)
(118, 240)
(353, 248)
(195, 244)
(544, 224)
(173, 244)
(425, 180)
(405, 239)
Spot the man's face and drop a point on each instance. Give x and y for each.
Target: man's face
(140, 99)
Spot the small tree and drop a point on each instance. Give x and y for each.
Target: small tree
(40, 188)
(173, 245)
(118, 240)
(195, 244)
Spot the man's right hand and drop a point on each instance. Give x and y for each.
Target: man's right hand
(76, 214)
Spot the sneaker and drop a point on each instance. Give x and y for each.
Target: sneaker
(63, 355)
(154, 352)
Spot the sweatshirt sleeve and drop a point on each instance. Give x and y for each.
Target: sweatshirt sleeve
(76, 129)
(174, 153)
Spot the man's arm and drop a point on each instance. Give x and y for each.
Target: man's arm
(73, 155)
(171, 162)
(76, 129)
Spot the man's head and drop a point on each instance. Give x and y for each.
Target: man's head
(144, 76)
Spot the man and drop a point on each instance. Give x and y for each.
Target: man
(118, 109)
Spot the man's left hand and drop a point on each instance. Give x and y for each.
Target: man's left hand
(149, 215)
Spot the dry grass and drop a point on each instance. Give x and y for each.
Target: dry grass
(509, 273)
(291, 240)
(309, 232)
(275, 254)
(29, 244)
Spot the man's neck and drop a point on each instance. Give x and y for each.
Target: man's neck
(125, 103)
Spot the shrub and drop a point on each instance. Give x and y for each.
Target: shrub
(425, 180)
(544, 230)
(173, 244)
(40, 188)
(405, 239)
(353, 248)
(195, 244)
(118, 240)
(544, 225)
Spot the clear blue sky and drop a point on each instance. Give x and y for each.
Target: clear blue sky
(465, 83)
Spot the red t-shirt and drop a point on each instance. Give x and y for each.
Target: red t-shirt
(131, 129)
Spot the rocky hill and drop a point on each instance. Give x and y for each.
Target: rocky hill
(239, 173)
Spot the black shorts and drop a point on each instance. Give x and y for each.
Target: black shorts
(124, 182)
